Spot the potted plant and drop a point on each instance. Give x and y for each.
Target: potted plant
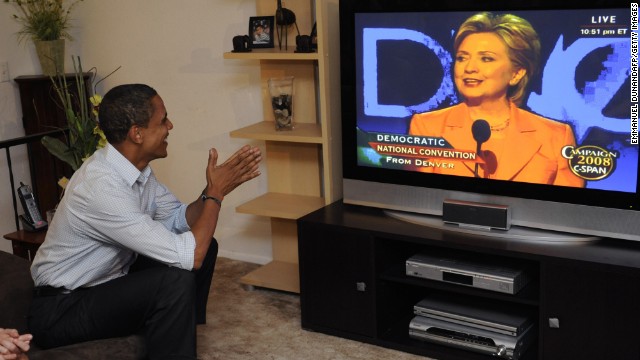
(85, 136)
(45, 22)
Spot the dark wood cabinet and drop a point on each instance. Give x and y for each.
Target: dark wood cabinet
(347, 263)
(591, 290)
(596, 308)
(41, 112)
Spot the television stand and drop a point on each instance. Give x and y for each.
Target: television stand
(353, 284)
(516, 233)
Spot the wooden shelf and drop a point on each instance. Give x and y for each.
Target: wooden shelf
(271, 54)
(36, 238)
(25, 244)
(303, 166)
(284, 206)
(265, 130)
(278, 275)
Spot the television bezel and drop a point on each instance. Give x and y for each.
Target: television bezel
(424, 193)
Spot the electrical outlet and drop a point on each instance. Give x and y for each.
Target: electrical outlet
(4, 71)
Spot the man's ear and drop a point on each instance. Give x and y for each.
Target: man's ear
(135, 134)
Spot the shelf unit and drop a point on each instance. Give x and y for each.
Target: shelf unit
(41, 113)
(304, 165)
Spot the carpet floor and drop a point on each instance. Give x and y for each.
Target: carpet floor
(265, 324)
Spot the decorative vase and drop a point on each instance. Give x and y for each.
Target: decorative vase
(51, 56)
(281, 90)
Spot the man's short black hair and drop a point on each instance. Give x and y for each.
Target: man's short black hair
(124, 106)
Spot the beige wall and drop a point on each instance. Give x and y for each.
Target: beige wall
(176, 46)
(18, 58)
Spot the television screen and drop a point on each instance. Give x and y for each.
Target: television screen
(405, 63)
(530, 101)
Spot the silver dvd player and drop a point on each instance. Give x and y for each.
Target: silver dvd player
(507, 319)
(472, 339)
(496, 276)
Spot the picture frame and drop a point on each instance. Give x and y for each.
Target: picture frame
(261, 31)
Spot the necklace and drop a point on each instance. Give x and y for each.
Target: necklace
(500, 127)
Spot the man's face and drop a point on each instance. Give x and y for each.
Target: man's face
(156, 133)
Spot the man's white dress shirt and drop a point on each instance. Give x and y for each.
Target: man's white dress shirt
(110, 212)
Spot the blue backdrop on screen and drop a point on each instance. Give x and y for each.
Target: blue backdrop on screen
(404, 66)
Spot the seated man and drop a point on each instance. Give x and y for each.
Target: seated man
(115, 212)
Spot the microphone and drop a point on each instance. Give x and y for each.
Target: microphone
(481, 133)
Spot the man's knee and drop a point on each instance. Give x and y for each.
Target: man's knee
(212, 253)
(213, 247)
(178, 284)
(178, 276)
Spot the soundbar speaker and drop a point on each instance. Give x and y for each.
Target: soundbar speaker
(477, 215)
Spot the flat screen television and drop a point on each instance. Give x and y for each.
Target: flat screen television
(563, 158)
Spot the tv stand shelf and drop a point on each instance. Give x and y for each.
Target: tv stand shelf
(352, 285)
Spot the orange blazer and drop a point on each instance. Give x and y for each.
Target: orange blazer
(532, 151)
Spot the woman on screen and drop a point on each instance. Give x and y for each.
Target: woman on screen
(495, 58)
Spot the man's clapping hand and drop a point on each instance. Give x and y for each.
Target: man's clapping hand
(242, 166)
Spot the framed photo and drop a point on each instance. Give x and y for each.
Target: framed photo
(261, 31)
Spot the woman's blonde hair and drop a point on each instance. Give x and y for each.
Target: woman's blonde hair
(522, 42)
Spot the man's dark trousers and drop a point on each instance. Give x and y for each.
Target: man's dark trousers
(159, 302)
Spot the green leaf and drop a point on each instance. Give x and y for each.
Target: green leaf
(60, 150)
